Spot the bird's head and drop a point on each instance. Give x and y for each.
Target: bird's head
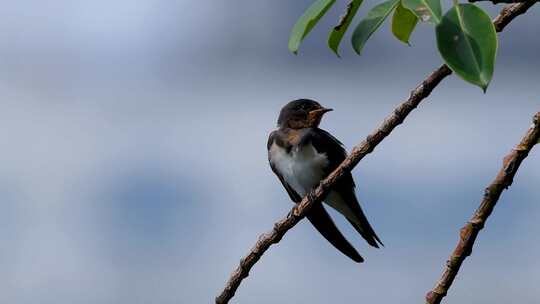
(301, 113)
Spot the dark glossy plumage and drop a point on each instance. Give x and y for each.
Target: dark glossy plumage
(301, 154)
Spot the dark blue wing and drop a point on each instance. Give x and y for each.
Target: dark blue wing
(318, 216)
(324, 142)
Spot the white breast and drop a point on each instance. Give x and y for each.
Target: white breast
(302, 168)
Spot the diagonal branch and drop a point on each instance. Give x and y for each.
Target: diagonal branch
(509, 12)
(470, 231)
(299, 211)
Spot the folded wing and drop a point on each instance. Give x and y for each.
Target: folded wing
(344, 199)
(320, 219)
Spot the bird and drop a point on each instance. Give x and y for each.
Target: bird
(301, 155)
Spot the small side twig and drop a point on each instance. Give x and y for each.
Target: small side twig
(504, 1)
(509, 12)
(345, 17)
(300, 210)
(469, 232)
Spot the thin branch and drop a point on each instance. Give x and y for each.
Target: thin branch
(345, 17)
(299, 211)
(505, 1)
(470, 231)
(509, 12)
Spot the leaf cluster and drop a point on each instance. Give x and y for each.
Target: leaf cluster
(466, 38)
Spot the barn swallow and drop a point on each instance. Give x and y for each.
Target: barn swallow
(301, 155)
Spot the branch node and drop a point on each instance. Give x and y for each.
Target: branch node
(470, 231)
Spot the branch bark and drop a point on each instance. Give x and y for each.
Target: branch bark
(299, 211)
(470, 231)
(505, 1)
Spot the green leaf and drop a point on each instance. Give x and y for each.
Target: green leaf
(427, 10)
(306, 22)
(403, 23)
(339, 30)
(371, 23)
(467, 41)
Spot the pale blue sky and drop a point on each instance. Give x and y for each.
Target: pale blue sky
(134, 162)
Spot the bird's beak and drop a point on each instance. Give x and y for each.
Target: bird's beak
(320, 111)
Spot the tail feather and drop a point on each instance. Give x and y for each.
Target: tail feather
(346, 203)
(367, 233)
(322, 221)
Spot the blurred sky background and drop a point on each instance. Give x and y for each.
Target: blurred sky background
(134, 167)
